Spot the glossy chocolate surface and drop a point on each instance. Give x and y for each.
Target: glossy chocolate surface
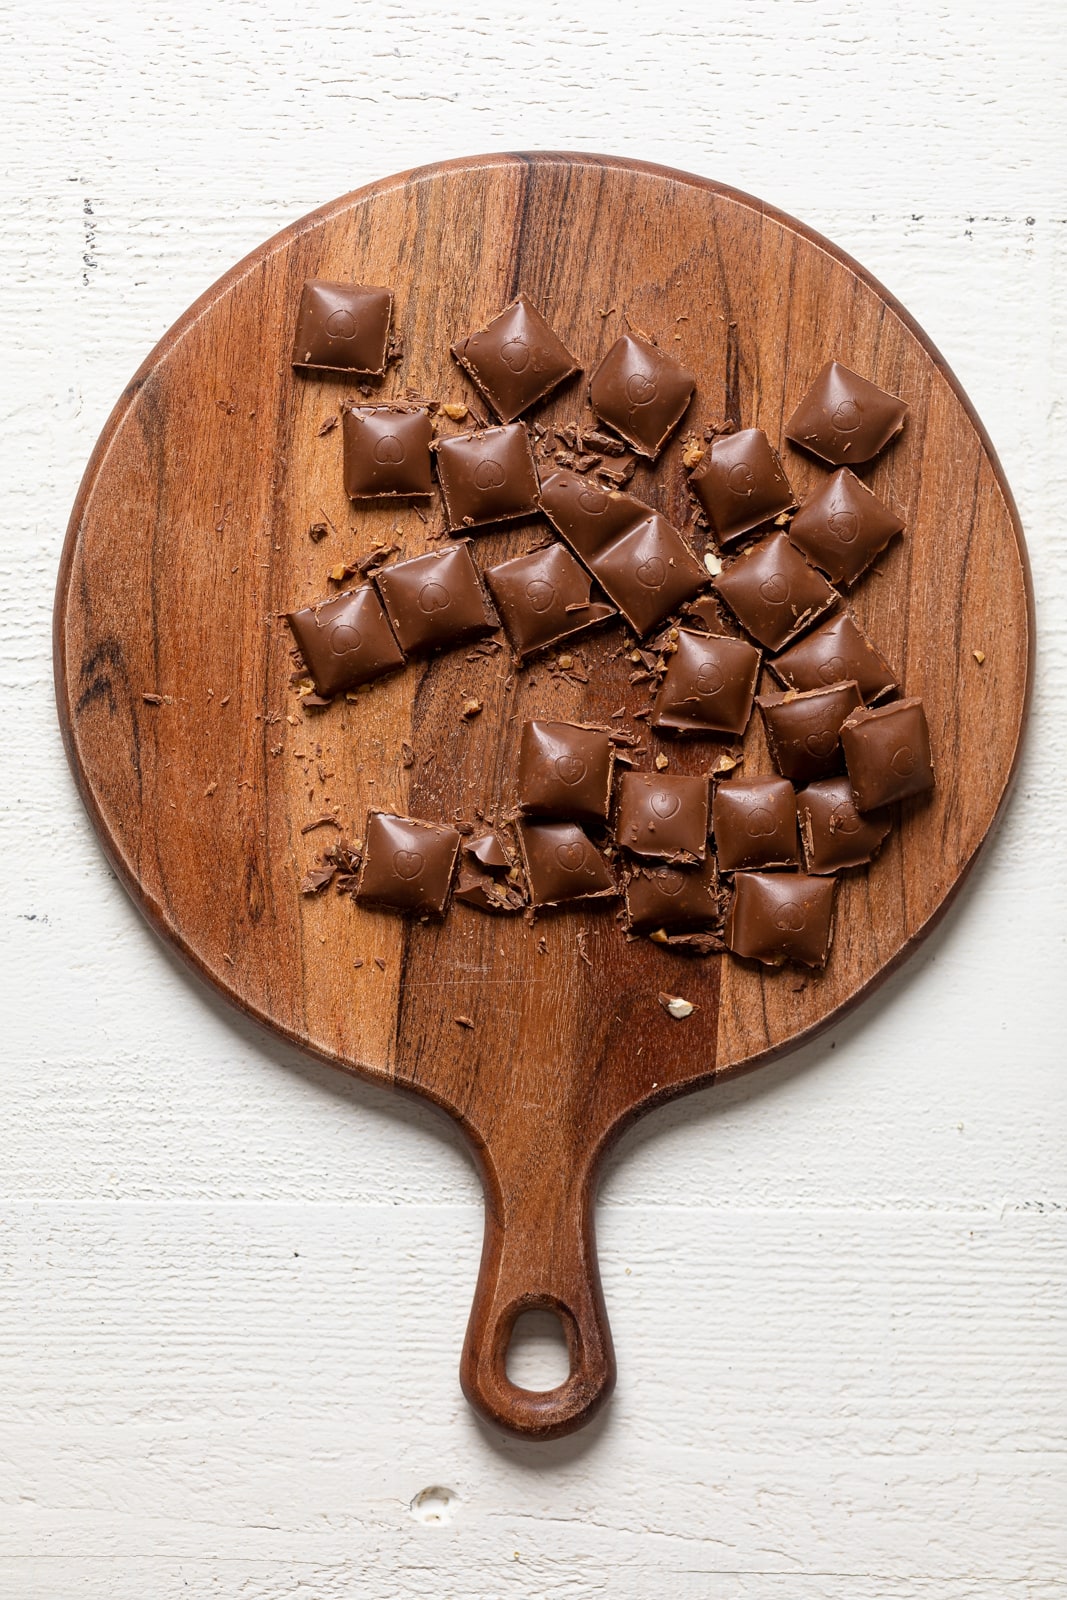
(346, 641)
(437, 600)
(562, 864)
(588, 517)
(709, 686)
(663, 815)
(343, 327)
(741, 484)
(543, 598)
(834, 652)
(649, 572)
(773, 592)
(515, 359)
(843, 526)
(677, 899)
(407, 864)
(834, 834)
(887, 753)
(781, 916)
(754, 821)
(565, 771)
(387, 452)
(487, 476)
(804, 729)
(641, 393)
(845, 419)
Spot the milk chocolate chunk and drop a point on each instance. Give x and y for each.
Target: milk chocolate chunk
(641, 393)
(488, 851)
(842, 527)
(754, 821)
(343, 327)
(781, 916)
(407, 864)
(649, 572)
(589, 518)
(773, 592)
(487, 477)
(345, 641)
(833, 832)
(437, 600)
(487, 893)
(673, 898)
(543, 598)
(562, 864)
(834, 652)
(387, 452)
(887, 753)
(565, 771)
(741, 484)
(709, 685)
(515, 359)
(663, 815)
(845, 419)
(804, 729)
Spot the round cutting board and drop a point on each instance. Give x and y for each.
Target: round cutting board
(190, 537)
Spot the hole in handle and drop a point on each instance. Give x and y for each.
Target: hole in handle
(538, 1357)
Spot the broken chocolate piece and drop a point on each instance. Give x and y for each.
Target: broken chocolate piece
(754, 821)
(833, 832)
(887, 753)
(709, 687)
(845, 419)
(345, 641)
(804, 729)
(773, 592)
(407, 864)
(781, 916)
(543, 598)
(437, 600)
(641, 393)
(488, 852)
(562, 864)
(675, 899)
(565, 771)
(663, 816)
(487, 476)
(387, 453)
(343, 327)
(515, 359)
(842, 527)
(740, 484)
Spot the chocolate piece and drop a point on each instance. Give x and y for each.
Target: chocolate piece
(565, 771)
(488, 852)
(487, 477)
(754, 821)
(387, 452)
(544, 597)
(834, 834)
(649, 572)
(588, 518)
(345, 641)
(843, 526)
(804, 730)
(641, 393)
(674, 899)
(887, 753)
(515, 359)
(342, 327)
(773, 592)
(562, 865)
(436, 600)
(709, 685)
(663, 815)
(486, 893)
(834, 652)
(844, 418)
(407, 864)
(740, 483)
(781, 916)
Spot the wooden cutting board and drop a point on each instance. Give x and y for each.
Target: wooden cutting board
(190, 537)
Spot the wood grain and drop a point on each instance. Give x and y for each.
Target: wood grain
(190, 536)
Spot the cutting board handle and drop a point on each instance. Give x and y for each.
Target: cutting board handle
(539, 1254)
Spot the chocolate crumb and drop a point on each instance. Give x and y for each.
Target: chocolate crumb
(328, 426)
(379, 963)
(463, 1022)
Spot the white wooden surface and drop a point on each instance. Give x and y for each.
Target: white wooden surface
(233, 1285)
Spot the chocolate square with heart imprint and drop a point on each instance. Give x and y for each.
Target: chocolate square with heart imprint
(663, 815)
(887, 753)
(345, 641)
(543, 598)
(843, 526)
(773, 592)
(487, 476)
(515, 359)
(781, 916)
(565, 771)
(436, 600)
(407, 864)
(562, 864)
(804, 729)
(834, 652)
(834, 834)
(709, 687)
(343, 327)
(754, 821)
(588, 517)
(649, 572)
(387, 452)
(740, 484)
(675, 898)
(641, 393)
(844, 418)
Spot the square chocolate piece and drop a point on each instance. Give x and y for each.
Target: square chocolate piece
(565, 771)
(487, 476)
(887, 753)
(589, 518)
(709, 686)
(663, 815)
(804, 729)
(515, 359)
(842, 527)
(649, 572)
(407, 865)
(845, 419)
(345, 641)
(543, 598)
(562, 864)
(387, 452)
(437, 600)
(773, 592)
(834, 652)
(754, 821)
(834, 834)
(674, 899)
(343, 327)
(741, 484)
(641, 393)
(776, 917)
